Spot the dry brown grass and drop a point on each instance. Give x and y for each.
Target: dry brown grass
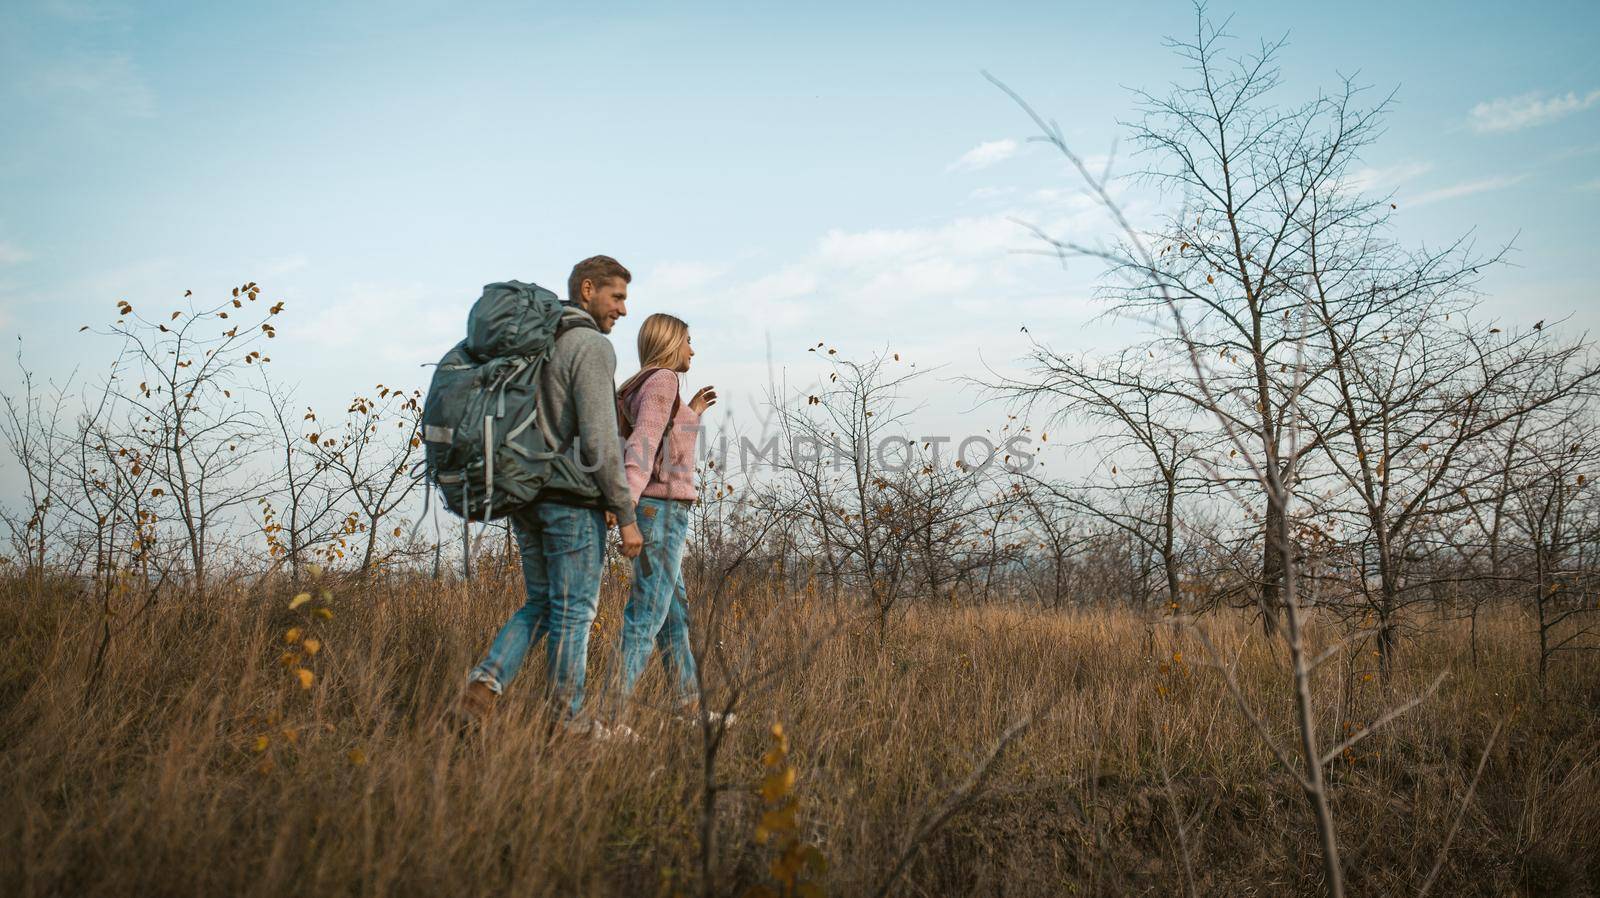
(155, 786)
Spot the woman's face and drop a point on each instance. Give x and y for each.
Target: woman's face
(688, 353)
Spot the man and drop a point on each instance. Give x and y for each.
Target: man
(562, 544)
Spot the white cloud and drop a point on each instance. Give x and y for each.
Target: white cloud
(877, 280)
(1386, 178)
(1528, 110)
(93, 88)
(941, 291)
(12, 254)
(1466, 188)
(386, 322)
(1391, 178)
(960, 238)
(985, 154)
(285, 265)
(681, 277)
(984, 194)
(1076, 199)
(789, 282)
(1590, 185)
(1576, 152)
(929, 278)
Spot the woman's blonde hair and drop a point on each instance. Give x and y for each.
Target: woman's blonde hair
(663, 341)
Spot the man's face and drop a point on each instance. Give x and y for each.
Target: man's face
(605, 303)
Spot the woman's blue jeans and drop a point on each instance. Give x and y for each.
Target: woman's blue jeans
(563, 552)
(657, 614)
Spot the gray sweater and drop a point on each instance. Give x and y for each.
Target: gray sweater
(578, 410)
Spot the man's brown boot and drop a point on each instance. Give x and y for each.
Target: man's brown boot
(476, 705)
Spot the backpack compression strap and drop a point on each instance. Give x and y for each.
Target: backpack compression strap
(566, 325)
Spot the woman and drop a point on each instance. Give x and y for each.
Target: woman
(661, 434)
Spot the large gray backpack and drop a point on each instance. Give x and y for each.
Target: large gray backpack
(483, 445)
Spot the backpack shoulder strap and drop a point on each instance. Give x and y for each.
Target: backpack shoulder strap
(572, 323)
(625, 418)
(631, 388)
(677, 398)
(658, 470)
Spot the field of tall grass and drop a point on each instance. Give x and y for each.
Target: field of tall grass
(237, 746)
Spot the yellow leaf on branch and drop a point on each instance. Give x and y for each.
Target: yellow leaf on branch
(777, 784)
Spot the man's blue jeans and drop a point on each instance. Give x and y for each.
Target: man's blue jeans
(657, 615)
(563, 550)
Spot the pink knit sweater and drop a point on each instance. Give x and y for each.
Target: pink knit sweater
(651, 403)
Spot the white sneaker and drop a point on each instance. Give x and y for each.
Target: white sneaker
(620, 732)
(599, 732)
(715, 718)
(725, 720)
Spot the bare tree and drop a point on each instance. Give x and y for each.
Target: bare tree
(1234, 253)
(309, 518)
(1227, 270)
(1061, 537)
(937, 501)
(836, 449)
(114, 534)
(183, 418)
(1556, 511)
(997, 513)
(1414, 387)
(379, 442)
(31, 430)
(106, 482)
(1148, 446)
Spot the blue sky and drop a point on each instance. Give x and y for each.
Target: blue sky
(782, 172)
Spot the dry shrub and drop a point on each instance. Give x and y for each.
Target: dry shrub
(201, 765)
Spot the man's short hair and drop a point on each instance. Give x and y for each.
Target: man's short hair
(598, 270)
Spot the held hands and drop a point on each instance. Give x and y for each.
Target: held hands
(632, 541)
(705, 398)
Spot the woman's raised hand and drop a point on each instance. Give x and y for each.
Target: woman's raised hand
(705, 398)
